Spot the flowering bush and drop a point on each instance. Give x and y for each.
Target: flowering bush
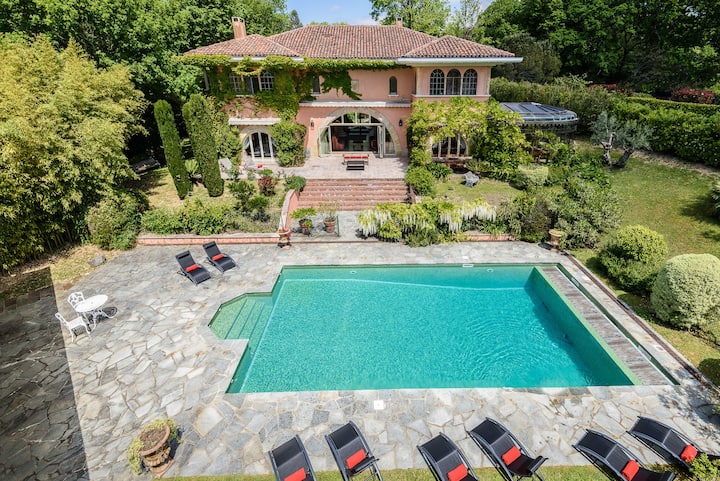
(693, 96)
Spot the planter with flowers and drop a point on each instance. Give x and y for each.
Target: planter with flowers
(304, 216)
(152, 448)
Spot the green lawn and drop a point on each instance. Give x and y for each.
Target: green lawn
(492, 191)
(562, 473)
(671, 200)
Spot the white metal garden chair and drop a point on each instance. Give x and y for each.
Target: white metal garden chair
(72, 325)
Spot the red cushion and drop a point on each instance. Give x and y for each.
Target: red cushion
(298, 475)
(218, 256)
(192, 268)
(630, 469)
(689, 453)
(354, 459)
(511, 455)
(458, 473)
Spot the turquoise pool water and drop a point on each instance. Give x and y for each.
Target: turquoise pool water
(395, 327)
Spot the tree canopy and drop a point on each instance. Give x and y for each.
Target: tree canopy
(429, 16)
(63, 126)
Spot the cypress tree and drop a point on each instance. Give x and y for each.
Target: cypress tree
(198, 121)
(171, 145)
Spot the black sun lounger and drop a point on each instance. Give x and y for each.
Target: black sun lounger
(190, 269)
(667, 442)
(445, 460)
(616, 460)
(290, 462)
(506, 452)
(351, 452)
(221, 261)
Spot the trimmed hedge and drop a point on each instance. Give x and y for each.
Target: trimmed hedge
(678, 128)
(633, 257)
(198, 120)
(686, 292)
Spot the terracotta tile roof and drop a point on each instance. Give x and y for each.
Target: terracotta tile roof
(251, 46)
(352, 41)
(453, 47)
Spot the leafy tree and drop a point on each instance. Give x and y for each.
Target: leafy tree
(171, 144)
(63, 126)
(629, 136)
(466, 21)
(198, 120)
(540, 64)
(429, 16)
(500, 20)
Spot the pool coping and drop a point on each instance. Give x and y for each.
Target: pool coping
(158, 357)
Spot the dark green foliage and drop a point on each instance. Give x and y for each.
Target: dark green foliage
(114, 222)
(584, 211)
(199, 123)
(242, 190)
(528, 216)
(258, 205)
(161, 221)
(289, 139)
(633, 256)
(421, 180)
(171, 146)
(680, 129)
(541, 63)
(203, 219)
(439, 171)
(295, 182)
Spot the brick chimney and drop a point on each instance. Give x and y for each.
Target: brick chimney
(238, 28)
(398, 22)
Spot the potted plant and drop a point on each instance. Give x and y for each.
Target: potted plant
(329, 214)
(151, 448)
(304, 215)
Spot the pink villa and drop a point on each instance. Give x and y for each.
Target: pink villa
(418, 66)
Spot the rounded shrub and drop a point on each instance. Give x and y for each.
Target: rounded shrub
(686, 292)
(421, 180)
(114, 222)
(531, 176)
(203, 219)
(633, 257)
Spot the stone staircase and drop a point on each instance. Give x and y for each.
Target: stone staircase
(353, 194)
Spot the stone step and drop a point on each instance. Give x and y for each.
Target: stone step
(353, 194)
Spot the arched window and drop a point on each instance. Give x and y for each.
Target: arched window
(393, 86)
(259, 145)
(437, 82)
(267, 81)
(469, 83)
(452, 87)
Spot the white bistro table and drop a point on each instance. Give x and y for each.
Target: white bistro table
(92, 307)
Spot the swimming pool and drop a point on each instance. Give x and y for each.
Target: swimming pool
(397, 327)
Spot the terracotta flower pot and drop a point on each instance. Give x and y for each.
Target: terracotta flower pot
(330, 226)
(157, 455)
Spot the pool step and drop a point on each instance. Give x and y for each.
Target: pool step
(243, 318)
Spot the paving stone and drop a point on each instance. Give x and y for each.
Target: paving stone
(157, 357)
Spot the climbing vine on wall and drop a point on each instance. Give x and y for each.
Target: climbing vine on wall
(494, 134)
(293, 78)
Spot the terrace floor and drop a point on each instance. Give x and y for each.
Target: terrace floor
(69, 410)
